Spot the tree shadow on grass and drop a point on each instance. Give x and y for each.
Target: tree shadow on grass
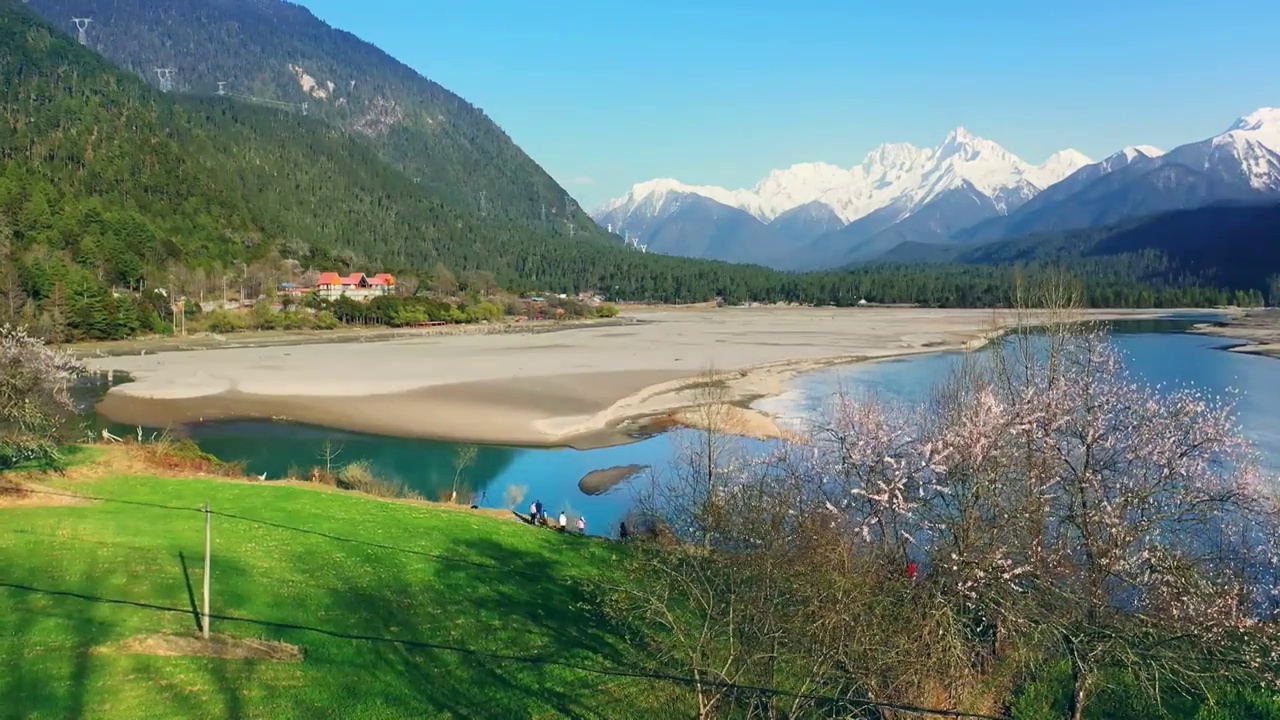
(440, 677)
(55, 681)
(533, 637)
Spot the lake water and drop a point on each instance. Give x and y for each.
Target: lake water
(1157, 351)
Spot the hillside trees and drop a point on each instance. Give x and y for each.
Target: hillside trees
(107, 182)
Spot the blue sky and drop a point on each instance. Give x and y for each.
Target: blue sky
(605, 94)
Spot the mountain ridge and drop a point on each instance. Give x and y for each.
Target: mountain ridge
(893, 180)
(282, 54)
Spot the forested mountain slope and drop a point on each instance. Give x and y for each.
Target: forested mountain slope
(1225, 245)
(279, 51)
(108, 185)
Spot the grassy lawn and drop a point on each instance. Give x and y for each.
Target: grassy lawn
(402, 610)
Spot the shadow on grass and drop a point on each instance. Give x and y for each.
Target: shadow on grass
(191, 592)
(464, 683)
(552, 628)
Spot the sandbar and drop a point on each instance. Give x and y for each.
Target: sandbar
(586, 387)
(1258, 329)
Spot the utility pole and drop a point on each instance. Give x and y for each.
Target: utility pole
(244, 279)
(166, 78)
(82, 24)
(208, 551)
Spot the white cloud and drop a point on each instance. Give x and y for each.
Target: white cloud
(584, 180)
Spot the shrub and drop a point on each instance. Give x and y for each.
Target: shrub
(224, 321)
(324, 320)
(184, 455)
(606, 311)
(359, 476)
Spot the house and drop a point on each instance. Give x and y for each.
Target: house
(357, 286)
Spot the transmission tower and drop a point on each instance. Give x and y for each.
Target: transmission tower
(305, 107)
(222, 87)
(544, 214)
(166, 78)
(483, 209)
(82, 24)
(570, 229)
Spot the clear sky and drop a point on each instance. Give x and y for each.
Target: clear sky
(604, 94)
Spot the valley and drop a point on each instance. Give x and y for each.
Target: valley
(324, 394)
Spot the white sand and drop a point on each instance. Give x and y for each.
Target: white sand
(545, 388)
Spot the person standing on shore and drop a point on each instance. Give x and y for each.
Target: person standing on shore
(564, 521)
(537, 512)
(533, 513)
(582, 525)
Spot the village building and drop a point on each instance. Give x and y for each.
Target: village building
(357, 286)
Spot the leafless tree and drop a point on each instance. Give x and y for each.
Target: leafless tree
(329, 451)
(443, 282)
(463, 457)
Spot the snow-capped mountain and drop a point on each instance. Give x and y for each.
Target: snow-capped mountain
(1242, 164)
(894, 172)
(1248, 150)
(892, 182)
(968, 189)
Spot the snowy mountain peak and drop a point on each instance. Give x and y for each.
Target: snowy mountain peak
(893, 174)
(1257, 120)
(1262, 126)
(1134, 151)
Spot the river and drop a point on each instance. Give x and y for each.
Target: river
(1160, 352)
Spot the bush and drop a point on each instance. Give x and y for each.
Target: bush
(606, 311)
(264, 317)
(359, 476)
(224, 321)
(324, 320)
(184, 455)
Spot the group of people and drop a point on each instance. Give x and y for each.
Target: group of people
(538, 516)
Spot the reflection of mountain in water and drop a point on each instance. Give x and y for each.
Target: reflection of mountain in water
(424, 466)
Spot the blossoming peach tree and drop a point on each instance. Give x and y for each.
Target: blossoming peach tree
(35, 397)
(1068, 512)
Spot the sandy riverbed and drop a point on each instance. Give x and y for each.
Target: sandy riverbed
(582, 387)
(1260, 329)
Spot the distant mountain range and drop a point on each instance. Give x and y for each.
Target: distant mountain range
(1242, 251)
(968, 190)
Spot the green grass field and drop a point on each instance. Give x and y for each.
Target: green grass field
(402, 610)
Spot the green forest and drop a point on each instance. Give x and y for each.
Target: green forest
(115, 197)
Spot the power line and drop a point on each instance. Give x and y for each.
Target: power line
(303, 107)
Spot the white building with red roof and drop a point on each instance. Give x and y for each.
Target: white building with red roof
(356, 286)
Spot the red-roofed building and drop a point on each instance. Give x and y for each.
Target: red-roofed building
(356, 286)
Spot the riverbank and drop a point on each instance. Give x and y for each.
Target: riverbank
(278, 338)
(1260, 329)
(591, 387)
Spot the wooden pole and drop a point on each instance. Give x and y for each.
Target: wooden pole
(208, 547)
